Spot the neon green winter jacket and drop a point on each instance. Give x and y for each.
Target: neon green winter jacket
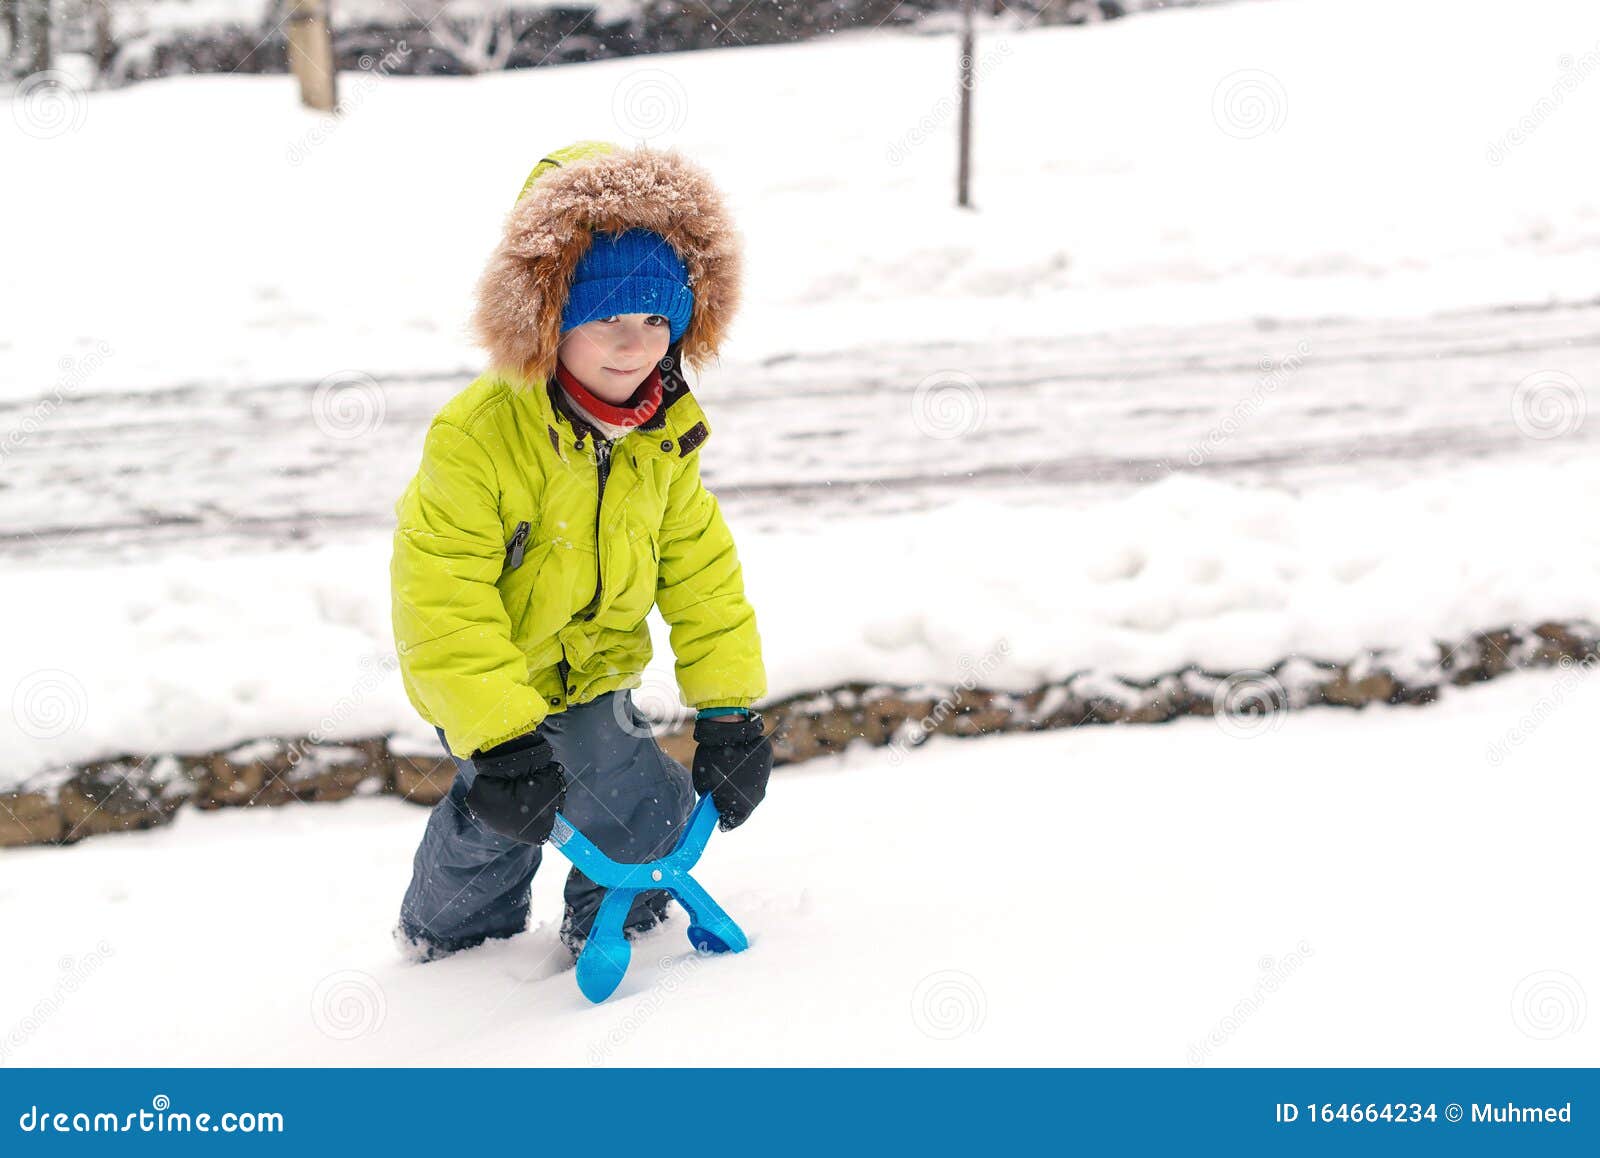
(526, 558)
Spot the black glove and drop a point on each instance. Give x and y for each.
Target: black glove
(519, 789)
(732, 761)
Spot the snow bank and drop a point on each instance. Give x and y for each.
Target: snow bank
(191, 654)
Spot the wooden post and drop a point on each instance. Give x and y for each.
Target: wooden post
(311, 53)
(32, 51)
(105, 47)
(13, 30)
(964, 147)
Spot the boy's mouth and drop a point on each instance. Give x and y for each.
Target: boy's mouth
(611, 371)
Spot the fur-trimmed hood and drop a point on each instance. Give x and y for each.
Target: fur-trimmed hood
(597, 186)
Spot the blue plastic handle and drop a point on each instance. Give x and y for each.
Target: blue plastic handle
(604, 960)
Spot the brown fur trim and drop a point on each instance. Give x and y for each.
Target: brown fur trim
(523, 291)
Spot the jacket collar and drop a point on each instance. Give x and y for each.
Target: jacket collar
(678, 427)
(614, 419)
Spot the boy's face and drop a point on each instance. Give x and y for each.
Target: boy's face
(611, 356)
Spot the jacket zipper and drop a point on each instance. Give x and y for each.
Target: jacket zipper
(602, 458)
(518, 545)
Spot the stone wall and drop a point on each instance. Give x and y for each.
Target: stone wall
(135, 792)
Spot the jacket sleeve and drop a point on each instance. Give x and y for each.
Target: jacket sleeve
(700, 591)
(451, 628)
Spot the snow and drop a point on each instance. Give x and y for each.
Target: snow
(1338, 888)
(1233, 161)
(1321, 887)
(193, 654)
(1161, 204)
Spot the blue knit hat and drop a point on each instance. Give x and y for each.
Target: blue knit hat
(635, 272)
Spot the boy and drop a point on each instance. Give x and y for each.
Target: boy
(559, 497)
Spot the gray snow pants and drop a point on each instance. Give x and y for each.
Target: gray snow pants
(623, 792)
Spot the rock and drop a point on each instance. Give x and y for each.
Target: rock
(1053, 706)
(1351, 690)
(679, 744)
(119, 795)
(29, 818)
(1553, 642)
(337, 771)
(422, 779)
(249, 774)
(793, 737)
(123, 795)
(270, 772)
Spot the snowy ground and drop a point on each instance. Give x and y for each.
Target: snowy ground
(1235, 394)
(1401, 886)
(1274, 332)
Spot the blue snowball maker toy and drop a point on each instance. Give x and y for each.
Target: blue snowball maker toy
(604, 960)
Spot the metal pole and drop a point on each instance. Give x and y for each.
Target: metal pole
(964, 158)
